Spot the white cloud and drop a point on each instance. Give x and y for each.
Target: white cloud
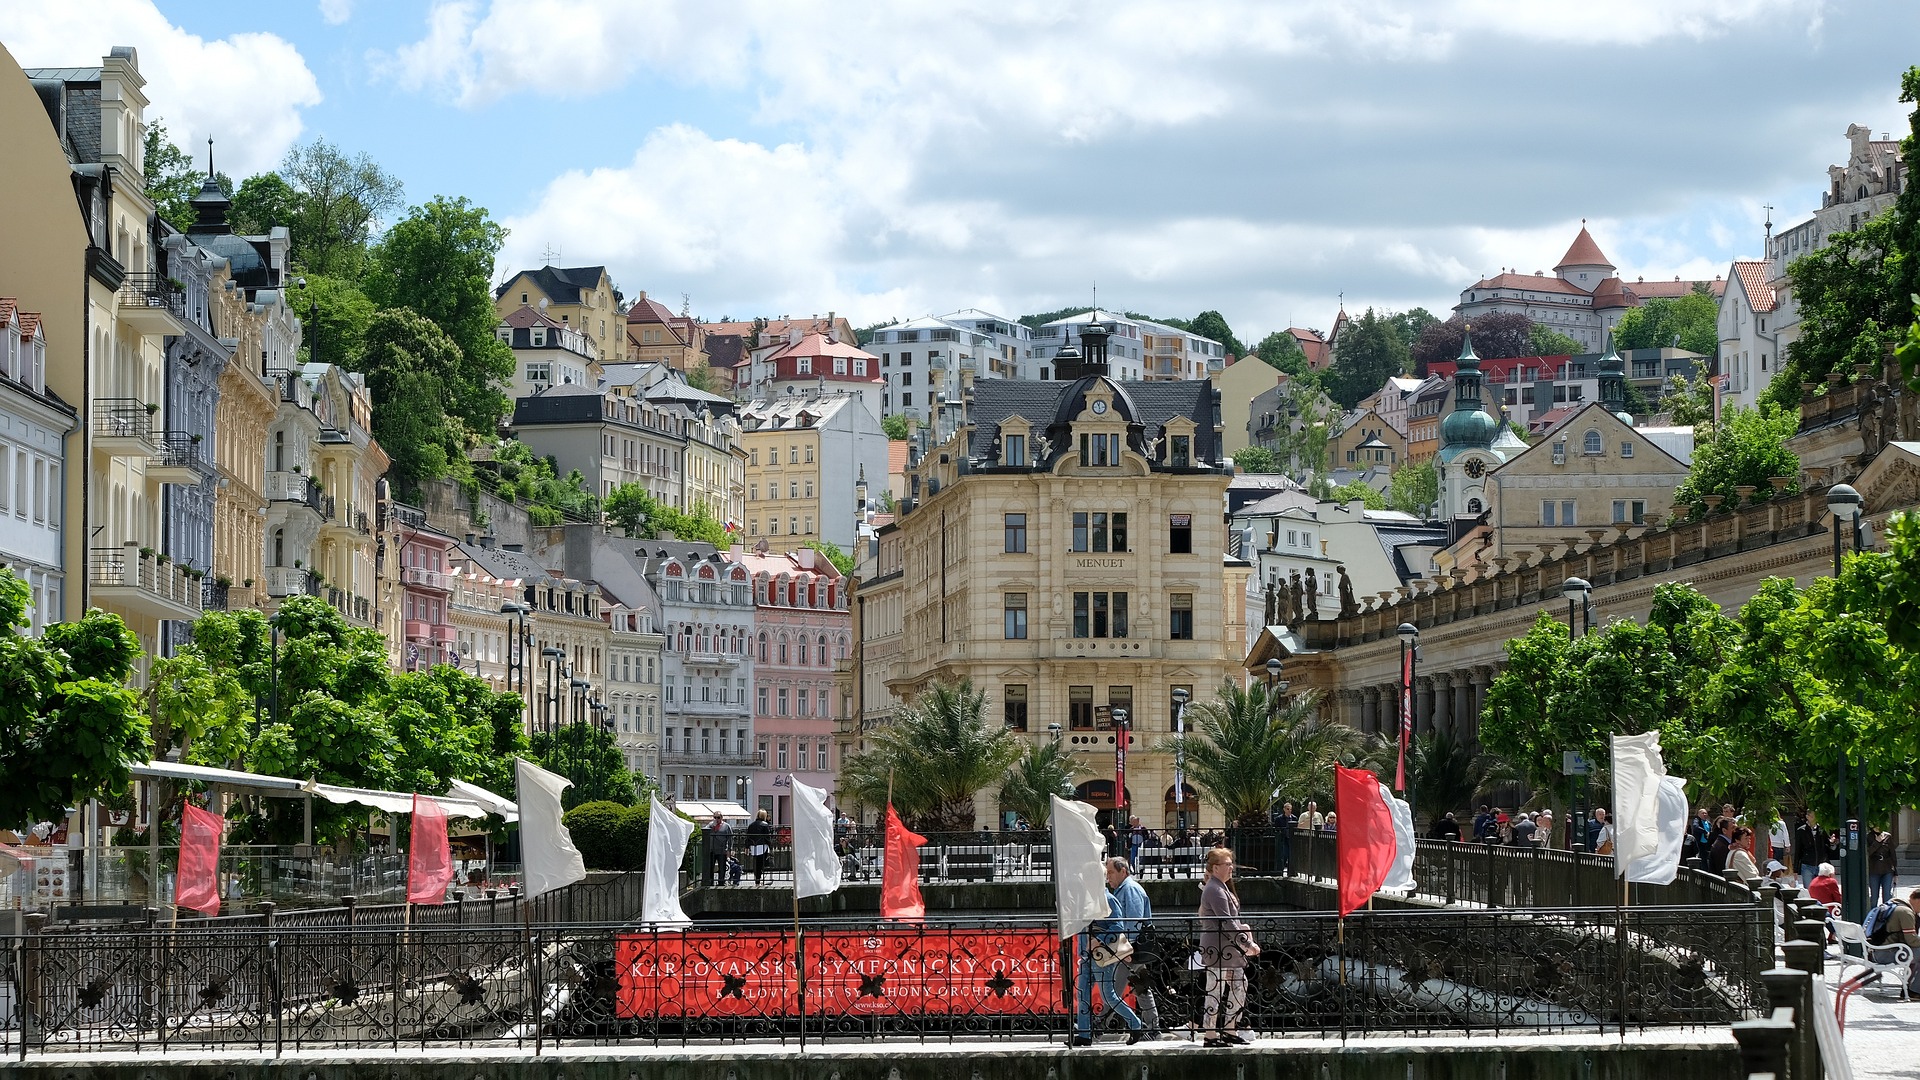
(246, 89)
(336, 12)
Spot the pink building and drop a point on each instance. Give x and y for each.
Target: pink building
(802, 627)
(427, 601)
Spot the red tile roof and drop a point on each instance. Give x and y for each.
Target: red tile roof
(525, 316)
(1535, 282)
(1753, 278)
(1584, 252)
(1611, 294)
(1312, 344)
(648, 310)
(7, 305)
(817, 344)
(29, 325)
(1647, 290)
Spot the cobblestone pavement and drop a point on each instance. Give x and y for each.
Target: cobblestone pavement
(1883, 1033)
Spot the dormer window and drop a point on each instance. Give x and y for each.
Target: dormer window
(1013, 450)
(539, 335)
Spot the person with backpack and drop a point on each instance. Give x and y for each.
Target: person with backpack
(1899, 926)
(1880, 863)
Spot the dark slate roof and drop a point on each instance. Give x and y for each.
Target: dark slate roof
(1046, 403)
(562, 284)
(505, 564)
(567, 403)
(726, 350)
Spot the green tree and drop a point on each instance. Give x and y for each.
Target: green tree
(341, 200)
(335, 315)
(1414, 488)
(1905, 233)
(1411, 324)
(863, 336)
(936, 754)
(1689, 401)
(1748, 447)
(438, 262)
(262, 203)
(1360, 490)
(172, 178)
(587, 754)
(1213, 325)
(1371, 351)
(894, 426)
(1244, 745)
(1546, 341)
(630, 507)
(1302, 445)
(550, 497)
(407, 361)
(701, 377)
(1851, 307)
(1043, 770)
(1498, 336)
(1281, 351)
(69, 727)
(1690, 322)
(841, 561)
(1448, 773)
(1255, 459)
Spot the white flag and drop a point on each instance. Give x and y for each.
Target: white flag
(1079, 871)
(1400, 874)
(667, 836)
(816, 868)
(548, 859)
(1650, 811)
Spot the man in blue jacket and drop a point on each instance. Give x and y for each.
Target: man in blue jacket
(1130, 912)
(1129, 901)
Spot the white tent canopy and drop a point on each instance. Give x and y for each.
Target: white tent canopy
(701, 811)
(465, 801)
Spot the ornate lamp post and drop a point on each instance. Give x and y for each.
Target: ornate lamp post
(1580, 600)
(1180, 757)
(1121, 735)
(518, 638)
(1845, 503)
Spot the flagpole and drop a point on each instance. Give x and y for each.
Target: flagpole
(799, 949)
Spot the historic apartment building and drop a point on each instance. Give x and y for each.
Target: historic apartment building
(805, 458)
(580, 297)
(1063, 552)
(801, 631)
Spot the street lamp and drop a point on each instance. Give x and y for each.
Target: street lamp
(1274, 685)
(1409, 657)
(519, 636)
(1180, 697)
(553, 657)
(1579, 597)
(1121, 733)
(1845, 503)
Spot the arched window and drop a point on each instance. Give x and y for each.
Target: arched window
(783, 648)
(1593, 444)
(823, 650)
(763, 646)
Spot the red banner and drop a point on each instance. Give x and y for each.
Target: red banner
(197, 885)
(849, 973)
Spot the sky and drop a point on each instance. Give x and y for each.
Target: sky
(1270, 159)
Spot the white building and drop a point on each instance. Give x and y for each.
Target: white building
(1136, 348)
(929, 361)
(34, 426)
(545, 354)
(1758, 316)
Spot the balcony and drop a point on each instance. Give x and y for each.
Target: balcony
(424, 579)
(152, 304)
(706, 708)
(178, 459)
(417, 629)
(293, 487)
(217, 597)
(362, 524)
(123, 427)
(122, 580)
(284, 581)
(443, 634)
(717, 759)
(354, 609)
(726, 660)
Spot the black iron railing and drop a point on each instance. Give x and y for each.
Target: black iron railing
(180, 448)
(279, 987)
(153, 291)
(122, 418)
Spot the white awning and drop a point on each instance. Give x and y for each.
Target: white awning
(701, 811)
(485, 799)
(395, 802)
(460, 803)
(280, 786)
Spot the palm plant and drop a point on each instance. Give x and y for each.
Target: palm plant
(1246, 744)
(1449, 775)
(935, 755)
(1044, 769)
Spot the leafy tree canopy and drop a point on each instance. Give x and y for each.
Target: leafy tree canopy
(1211, 324)
(1498, 336)
(936, 754)
(1043, 770)
(1690, 322)
(340, 201)
(1255, 459)
(894, 426)
(1689, 401)
(1748, 447)
(1546, 341)
(263, 202)
(631, 508)
(1371, 350)
(408, 359)
(438, 262)
(1414, 488)
(1851, 307)
(69, 727)
(1281, 351)
(1359, 490)
(841, 561)
(550, 498)
(1244, 745)
(172, 177)
(586, 753)
(334, 314)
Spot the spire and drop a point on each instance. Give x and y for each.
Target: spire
(1612, 372)
(211, 204)
(1468, 426)
(1468, 358)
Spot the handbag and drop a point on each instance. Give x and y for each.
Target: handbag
(1109, 953)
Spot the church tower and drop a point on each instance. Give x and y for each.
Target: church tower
(1612, 373)
(1466, 454)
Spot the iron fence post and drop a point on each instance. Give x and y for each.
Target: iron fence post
(28, 967)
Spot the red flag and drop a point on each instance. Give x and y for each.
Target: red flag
(900, 877)
(429, 858)
(1364, 845)
(197, 882)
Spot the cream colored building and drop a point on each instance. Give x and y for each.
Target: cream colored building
(634, 673)
(245, 411)
(580, 297)
(481, 630)
(1084, 576)
(565, 616)
(805, 457)
(1592, 477)
(1239, 383)
(45, 267)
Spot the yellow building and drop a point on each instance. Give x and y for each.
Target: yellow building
(581, 297)
(656, 335)
(1366, 441)
(1064, 553)
(1239, 383)
(1593, 477)
(569, 637)
(805, 458)
(242, 416)
(45, 266)
(348, 466)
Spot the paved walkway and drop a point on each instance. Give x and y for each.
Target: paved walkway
(1883, 1033)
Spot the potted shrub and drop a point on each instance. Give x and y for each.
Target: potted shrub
(226, 582)
(152, 407)
(247, 583)
(146, 553)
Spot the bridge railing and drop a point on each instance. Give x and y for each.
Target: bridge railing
(277, 988)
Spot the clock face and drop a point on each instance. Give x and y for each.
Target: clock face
(1099, 408)
(1475, 467)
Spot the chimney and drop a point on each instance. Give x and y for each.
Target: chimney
(804, 557)
(516, 548)
(469, 539)
(487, 542)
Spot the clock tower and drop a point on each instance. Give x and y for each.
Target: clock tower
(1466, 456)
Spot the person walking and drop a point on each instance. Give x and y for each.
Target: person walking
(1100, 955)
(1284, 822)
(759, 843)
(1226, 944)
(1809, 846)
(1136, 915)
(1600, 834)
(1720, 847)
(719, 840)
(1880, 864)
